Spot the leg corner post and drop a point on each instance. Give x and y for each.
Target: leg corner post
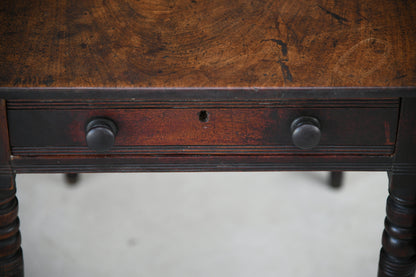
(398, 254)
(11, 258)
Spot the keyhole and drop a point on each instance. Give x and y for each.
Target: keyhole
(203, 116)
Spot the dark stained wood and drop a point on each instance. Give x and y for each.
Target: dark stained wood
(306, 132)
(210, 86)
(71, 162)
(100, 134)
(49, 96)
(398, 255)
(11, 258)
(178, 129)
(72, 178)
(4, 138)
(335, 179)
(184, 43)
(5, 167)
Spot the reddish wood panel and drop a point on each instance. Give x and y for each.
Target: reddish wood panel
(184, 43)
(228, 130)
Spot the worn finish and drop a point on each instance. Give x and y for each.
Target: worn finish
(184, 43)
(210, 86)
(178, 129)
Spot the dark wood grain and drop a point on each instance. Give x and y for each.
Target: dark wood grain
(184, 43)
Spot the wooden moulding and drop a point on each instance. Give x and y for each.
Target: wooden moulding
(197, 163)
(5, 168)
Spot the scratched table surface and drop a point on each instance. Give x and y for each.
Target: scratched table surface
(217, 43)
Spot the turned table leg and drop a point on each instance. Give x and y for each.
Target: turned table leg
(398, 255)
(335, 179)
(71, 178)
(11, 258)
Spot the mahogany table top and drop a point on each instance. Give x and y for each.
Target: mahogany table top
(217, 43)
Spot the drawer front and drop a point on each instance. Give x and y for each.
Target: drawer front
(251, 129)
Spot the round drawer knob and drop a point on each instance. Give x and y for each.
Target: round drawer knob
(100, 134)
(306, 132)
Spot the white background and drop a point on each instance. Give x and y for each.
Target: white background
(202, 224)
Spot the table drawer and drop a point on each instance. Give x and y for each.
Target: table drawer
(259, 128)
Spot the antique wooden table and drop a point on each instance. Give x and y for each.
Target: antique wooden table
(191, 85)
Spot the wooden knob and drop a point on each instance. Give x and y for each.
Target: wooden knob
(306, 132)
(100, 134)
